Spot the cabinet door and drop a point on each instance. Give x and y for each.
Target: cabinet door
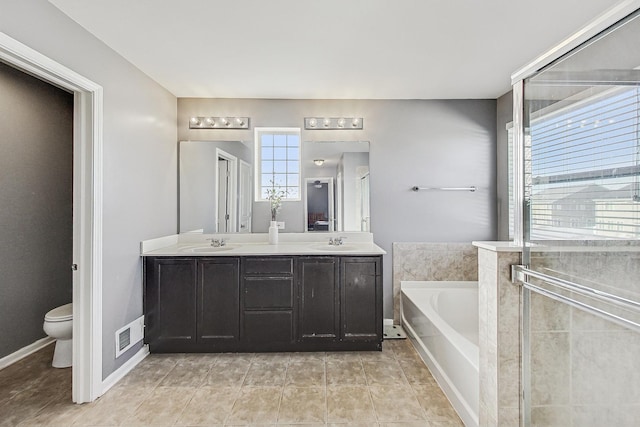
(361, 298)
(318, 308)
(218, 300)
(170, 303)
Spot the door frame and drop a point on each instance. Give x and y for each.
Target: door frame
(87, 210)
(245, 195)
(330, 202)
(232, 189)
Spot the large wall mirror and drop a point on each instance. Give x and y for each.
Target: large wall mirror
(216, 188)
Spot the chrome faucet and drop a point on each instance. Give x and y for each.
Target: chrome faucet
(216, 243)
(338, 241)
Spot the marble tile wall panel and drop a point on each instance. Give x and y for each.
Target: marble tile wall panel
(508, 338)
(499, 343)
(431, 261)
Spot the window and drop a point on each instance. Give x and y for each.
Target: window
(277, 162)
(585, 168)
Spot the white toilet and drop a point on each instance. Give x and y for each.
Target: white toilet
(58, 324)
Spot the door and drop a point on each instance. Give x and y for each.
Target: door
(226, 192)
(361, 308)
(319, 301)
(245, 197)
(170, 303)
(223, 196)
(364, 203)
(218, 304)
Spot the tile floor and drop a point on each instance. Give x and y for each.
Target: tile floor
(392, 388)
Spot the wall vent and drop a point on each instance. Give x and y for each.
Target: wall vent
(129, 335)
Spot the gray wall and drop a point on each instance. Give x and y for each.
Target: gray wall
(140, 154)
(36, 200)
(413, 142)
(504, 115)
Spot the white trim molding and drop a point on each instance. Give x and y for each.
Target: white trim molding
(25, 351)
(123, 370)
(87, 210)
(591, 29)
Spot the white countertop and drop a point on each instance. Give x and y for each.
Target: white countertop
(257, 244)
(502, 246)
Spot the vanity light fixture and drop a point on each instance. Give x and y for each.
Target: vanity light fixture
(333, 123)
(219, 123)
(319, 162)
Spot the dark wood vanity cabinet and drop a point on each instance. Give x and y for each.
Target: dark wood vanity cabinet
(270, 303)
(191, 304)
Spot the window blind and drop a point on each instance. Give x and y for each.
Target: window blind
(584, 168)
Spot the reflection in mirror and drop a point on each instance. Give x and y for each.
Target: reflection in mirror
(319, 206)
(216, 188)
(343, 166)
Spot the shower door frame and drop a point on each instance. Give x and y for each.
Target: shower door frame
(521, 232)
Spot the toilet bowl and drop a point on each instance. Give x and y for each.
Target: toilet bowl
(58, 324)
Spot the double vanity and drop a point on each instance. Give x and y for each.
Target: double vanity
(238, 293)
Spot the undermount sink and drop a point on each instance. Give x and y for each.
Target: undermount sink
(208, 249)
(328, 247)
(213, 249)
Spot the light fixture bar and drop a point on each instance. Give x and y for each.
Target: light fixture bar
(333, 123)
(219, 123)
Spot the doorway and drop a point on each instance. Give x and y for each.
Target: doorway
(365, 210)
(226, 192)
(245, 197)
(319, 204)
(87, 210)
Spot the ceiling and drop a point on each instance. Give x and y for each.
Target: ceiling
(332, 49)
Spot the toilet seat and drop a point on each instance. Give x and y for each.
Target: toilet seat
(60, 314)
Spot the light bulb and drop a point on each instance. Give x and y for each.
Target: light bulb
(210, 121)
(354, 123)
(340, 123)
(319, 162)
(239, 121)
(195, 121)
(326, 122)
(313, 123)
(225, 121)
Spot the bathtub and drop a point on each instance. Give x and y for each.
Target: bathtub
(441, 319)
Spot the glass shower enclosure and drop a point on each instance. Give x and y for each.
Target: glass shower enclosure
(578, 144)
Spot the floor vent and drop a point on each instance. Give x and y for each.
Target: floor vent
(129, 335)
(393, 332)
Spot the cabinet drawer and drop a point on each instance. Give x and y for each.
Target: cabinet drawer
(262, 293)
(265, 266)
(268, 326)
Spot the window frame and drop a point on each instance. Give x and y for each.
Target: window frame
(258, 132)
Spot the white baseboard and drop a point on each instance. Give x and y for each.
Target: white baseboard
(388, 322)
(25, 351)
(123, 370)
